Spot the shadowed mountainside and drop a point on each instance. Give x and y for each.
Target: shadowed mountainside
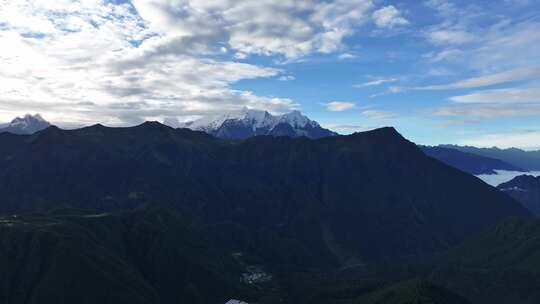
(525, 189)
(73, 256)
(343, 198)
(502, 265)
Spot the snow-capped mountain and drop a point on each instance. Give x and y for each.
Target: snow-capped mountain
(28, 124)
(248, 123)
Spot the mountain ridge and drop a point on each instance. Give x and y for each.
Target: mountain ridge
(27, 124)
(525, 189)
(263, 184)
(248, 123)
(469, 162)
(528, 160)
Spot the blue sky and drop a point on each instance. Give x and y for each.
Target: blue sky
(464, 72)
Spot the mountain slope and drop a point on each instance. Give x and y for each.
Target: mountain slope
(528, 160)
(146, 257)
(413, 291)
(249, 123)
(501, 265)
(525, 189)
(336, 201)
(28, 124)
(468, 162)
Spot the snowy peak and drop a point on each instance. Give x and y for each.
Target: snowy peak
(297, 120)
(249, 122)
(256, 118)
(28, 124)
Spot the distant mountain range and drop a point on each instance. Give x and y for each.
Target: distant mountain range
(525, 189)
(528, 160)
(28, 124)
(469, 162)
(248, 123)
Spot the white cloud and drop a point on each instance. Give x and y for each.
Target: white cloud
(346, 56)
(502, 96)
(286, 78)
(495, 103)
(457, 23)
(86, 61)
(486, 110)
(528, 140)
(378, 114)
(395, 89)
(339, 106)
(450, 36)
(388, 17)
(348, 128)
(518, 74)
(375, 82)
(476, 39)
(444, 55)
(262, 27)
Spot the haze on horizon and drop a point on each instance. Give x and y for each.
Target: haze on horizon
(458, 72)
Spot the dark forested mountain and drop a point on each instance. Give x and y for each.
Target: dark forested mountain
(73, 256)
(501, 265)
(468, 162)
(249, 123)
(412, 291)
(525, 189)
(330, 197)
(28, 124)
(266, 220)
(528, 160)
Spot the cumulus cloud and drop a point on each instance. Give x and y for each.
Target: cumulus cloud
(81, 62)
(388, 17)
(339, 106)
(286, 78)
(262, 27)
(346, 56)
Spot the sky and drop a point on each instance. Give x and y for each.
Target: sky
(456, 72)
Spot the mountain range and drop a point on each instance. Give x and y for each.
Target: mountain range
(469, 162)
(248, 123)
(501, 265)
(153, 214)
(329, 187)
(144, 256)
(528, 160)
(525, 189)
(27, 124)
